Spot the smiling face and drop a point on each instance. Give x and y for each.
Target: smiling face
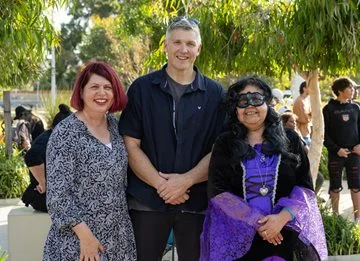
(182, 47)
(97, 94)
(252, 117)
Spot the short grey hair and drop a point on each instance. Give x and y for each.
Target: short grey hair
(184, 23)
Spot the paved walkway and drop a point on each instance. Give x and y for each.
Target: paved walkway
(7, 205)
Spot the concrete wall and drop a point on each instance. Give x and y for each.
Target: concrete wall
(27, 232)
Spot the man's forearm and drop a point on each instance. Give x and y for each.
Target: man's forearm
(199, 173)
(140, 163)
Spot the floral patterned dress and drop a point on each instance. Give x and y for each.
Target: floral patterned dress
(86, 182)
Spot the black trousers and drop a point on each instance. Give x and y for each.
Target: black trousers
(152, 230)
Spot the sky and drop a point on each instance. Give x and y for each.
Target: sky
(60, 17)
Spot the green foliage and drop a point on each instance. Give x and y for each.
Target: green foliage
(323, 163)
(327, 40)
(97, 44)
(333, 47)
(14, 176)
(252, 36)
(62, 96)
(3, 255)
(25, 34)
(342, 235)
(105, 40)
(84, 9)
(74, 36)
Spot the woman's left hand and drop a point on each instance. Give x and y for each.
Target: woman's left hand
(272, 225)
(276, 240)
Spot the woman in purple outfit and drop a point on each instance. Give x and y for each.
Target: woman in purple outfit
(262, 204)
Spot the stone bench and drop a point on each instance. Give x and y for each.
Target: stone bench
(27, 231)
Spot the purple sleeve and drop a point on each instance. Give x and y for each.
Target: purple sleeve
(229, 228)
(307, 221)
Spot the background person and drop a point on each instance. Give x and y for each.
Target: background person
(260, 186)
(169, 127)
(35, 160)
(289, 121)
(36, 126)
(302, 109)
(342, 140)
(22, 131)
(86, 175)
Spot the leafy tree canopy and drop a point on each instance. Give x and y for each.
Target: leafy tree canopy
(267, 37)
(76, 33)
(25, 34)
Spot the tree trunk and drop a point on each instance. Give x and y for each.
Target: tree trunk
(317, 136)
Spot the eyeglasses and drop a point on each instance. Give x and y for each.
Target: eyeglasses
(178, 19)
(251, 98)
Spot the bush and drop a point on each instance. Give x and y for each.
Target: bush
(14, 176)
(342, 235)
(323, 163)
(3, 255)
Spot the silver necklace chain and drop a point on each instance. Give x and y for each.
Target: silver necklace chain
(263, 190)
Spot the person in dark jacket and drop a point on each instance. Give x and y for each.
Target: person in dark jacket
(35, 159)
(169, 126)
(342, 140)
(260, 187)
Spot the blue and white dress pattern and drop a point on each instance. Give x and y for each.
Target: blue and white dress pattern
(86, 182)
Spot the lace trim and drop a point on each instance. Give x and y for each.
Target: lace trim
(244, 179)
(275, 180)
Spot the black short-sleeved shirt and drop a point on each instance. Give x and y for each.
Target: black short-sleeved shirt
(37, 153)
(149, 116)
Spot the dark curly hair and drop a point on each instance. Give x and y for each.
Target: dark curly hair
(275, 139)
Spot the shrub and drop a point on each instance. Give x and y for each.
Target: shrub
(342, 235)
(3, 255)
(323, 163)
(14, 176)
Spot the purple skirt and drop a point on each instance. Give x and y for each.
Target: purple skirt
(231, 224)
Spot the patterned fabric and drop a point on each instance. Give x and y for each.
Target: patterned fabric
(230, 226)
(86, 182)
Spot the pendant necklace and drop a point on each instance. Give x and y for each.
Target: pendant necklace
(263, 190)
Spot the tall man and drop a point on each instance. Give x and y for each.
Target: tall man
(342, 140)
(302, 110)
(169, 126)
